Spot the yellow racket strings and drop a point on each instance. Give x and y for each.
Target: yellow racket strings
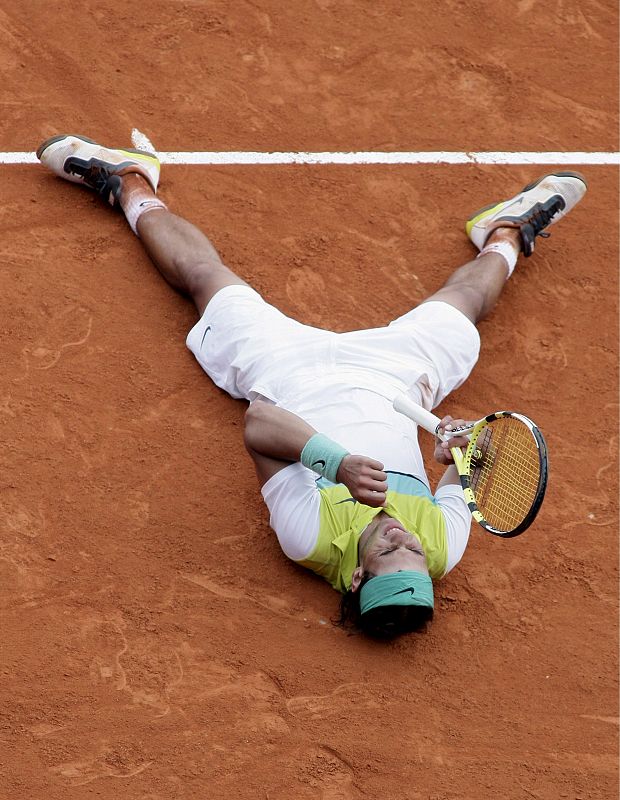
(505, 472)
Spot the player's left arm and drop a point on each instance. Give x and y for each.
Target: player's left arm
(275, 438)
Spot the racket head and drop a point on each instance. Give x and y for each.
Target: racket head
(505, 473)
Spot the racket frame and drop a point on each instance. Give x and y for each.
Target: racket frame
(431, 422)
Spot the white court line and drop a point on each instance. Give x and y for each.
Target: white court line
(390, 158)
(363, 157)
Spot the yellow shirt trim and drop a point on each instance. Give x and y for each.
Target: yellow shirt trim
(342, 521)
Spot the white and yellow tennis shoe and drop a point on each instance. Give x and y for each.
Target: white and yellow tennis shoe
(537, 206)
(81, 160)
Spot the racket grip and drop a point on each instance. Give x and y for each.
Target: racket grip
(419, 415)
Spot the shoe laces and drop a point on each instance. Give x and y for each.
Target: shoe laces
(543, 214)
(96, 174)
(97, 177)
(539, 218)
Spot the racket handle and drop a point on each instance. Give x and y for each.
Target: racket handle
(419, 415)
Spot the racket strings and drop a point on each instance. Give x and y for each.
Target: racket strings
(505, 472)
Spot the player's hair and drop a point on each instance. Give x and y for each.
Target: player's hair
(384, 622)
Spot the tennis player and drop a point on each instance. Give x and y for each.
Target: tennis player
(340, 471)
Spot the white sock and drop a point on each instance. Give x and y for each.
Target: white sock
(506, 249)
(137, 203)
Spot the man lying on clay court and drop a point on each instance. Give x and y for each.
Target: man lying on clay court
(340, 470)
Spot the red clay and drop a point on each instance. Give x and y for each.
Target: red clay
(156, 643)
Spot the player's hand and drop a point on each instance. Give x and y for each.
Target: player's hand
(442, 449)
(364, 478)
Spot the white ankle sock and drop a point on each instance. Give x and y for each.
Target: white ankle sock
(507, 250)
(136, 203)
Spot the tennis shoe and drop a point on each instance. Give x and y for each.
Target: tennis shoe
(80, 160)
(538, 206)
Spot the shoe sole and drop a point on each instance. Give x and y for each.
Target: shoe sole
(486, 211)
(127, 151)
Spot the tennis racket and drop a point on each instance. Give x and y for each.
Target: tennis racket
(504, 468)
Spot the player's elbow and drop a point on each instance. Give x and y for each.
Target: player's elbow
(254, 421)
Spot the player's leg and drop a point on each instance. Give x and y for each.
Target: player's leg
(179, 250)
(502, 231)
(475, 287)
(243, 343)
(129, 178)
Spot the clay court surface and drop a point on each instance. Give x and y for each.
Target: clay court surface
(155, 642)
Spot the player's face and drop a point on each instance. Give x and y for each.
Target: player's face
(385, 546)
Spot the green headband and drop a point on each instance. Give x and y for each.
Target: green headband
(406, 588)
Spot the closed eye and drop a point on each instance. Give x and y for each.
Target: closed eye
(393, 549)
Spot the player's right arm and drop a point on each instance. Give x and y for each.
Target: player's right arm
(275, 438)
(449, 495)
(442, 452)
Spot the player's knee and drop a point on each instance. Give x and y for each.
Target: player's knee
(466, 297)
(197, 276)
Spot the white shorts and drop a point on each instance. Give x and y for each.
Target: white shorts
(249, 349)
